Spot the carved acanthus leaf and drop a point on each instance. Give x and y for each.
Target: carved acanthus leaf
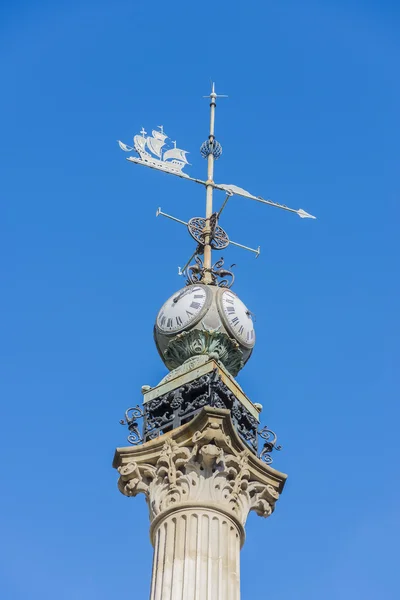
(205, 471)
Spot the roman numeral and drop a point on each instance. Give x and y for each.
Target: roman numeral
(162, 321)
(235, 321)
(230, 309)
(228, 300)
(195, 305)
(169, 322)
(199, 296)
(189, 314)
(178, 321)
(241, 329)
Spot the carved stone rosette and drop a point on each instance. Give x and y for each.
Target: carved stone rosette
(200, 483)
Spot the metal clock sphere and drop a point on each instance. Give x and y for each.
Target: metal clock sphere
(208, 320)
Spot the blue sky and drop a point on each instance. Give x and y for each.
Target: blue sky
(312, 120)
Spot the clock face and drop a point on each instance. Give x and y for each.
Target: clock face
(183, 308)
(237, 318)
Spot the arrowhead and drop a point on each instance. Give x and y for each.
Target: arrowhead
(305, 215)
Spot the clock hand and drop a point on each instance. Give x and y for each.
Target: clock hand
(179, 296)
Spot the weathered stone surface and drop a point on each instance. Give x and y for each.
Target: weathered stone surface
(200, 482)
(196, 557)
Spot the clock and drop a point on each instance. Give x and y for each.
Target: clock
(236, 318)
(183, 309)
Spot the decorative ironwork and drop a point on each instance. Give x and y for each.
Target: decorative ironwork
(131, 419)
(180, 405)
(195, 273)
(213, 148)
(218, 237)
(270, 444)
(155, 153)
(173, 409)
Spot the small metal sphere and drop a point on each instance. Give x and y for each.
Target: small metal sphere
(215, 149)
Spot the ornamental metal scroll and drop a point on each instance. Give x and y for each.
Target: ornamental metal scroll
(178, 406)
(270, 444)
(195, 273)
(131, 420)
(197, 227)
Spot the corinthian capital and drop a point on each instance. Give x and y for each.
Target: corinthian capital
(201, 464)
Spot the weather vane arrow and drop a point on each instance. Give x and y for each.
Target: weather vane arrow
(234, 189)
(155, 152)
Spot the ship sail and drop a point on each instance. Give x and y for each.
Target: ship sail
(154, 144)
(140, 143)
(124, 147)
(176, 153)
(159, 135)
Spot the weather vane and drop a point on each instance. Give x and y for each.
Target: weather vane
(156, 153)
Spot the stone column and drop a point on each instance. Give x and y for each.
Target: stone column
(200, 482)
(196, 556)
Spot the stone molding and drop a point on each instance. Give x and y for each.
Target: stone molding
(201, 464)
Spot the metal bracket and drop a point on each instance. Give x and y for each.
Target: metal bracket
(269, 444)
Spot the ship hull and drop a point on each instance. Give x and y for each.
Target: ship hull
(149, 161)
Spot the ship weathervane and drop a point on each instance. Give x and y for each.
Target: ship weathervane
(154, 151)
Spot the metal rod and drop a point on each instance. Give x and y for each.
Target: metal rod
(256, 252)
(182, 271)
(207, 277)
(300, 211)
(228, 195)
(159, 212)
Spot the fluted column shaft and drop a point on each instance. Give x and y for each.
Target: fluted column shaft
(196, 557)
(200, 482)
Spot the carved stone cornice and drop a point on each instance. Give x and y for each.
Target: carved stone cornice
(201, 464)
